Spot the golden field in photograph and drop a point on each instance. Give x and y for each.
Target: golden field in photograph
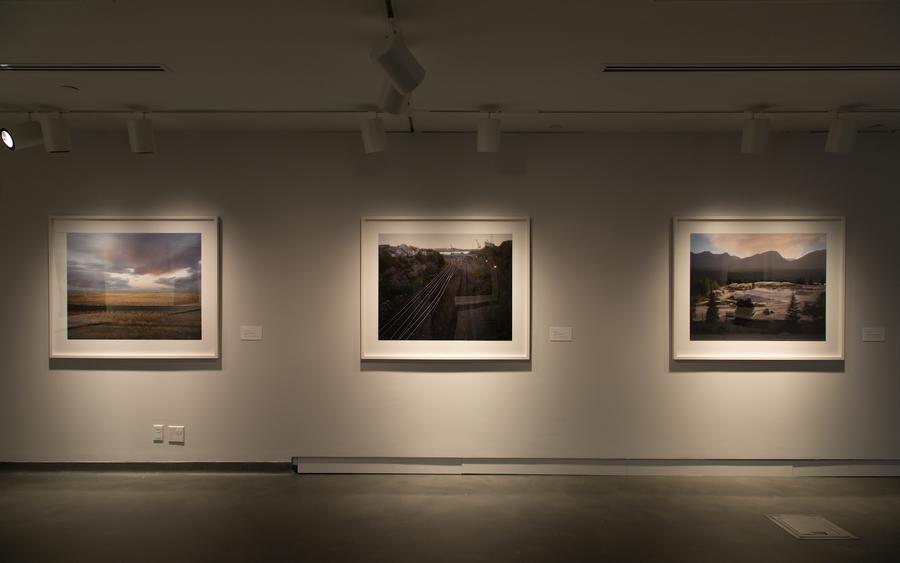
(133, 298)
(134, 315)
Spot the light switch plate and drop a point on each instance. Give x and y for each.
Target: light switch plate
(176, 434)
(560, 334)
(250, 332)
(873, 334)
(158, 433)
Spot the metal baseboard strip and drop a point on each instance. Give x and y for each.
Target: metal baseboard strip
(599, 467)
(378, 465)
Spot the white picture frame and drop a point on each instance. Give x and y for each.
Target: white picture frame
(689, 344)
(392, 229)
(102, 339)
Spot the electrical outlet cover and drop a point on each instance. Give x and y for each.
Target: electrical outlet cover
(158, 433)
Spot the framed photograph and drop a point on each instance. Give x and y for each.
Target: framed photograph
(758, 289)
(134, 287)
(445, 289)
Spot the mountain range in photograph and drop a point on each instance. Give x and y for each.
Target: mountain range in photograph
(445, 287)
(758, 286)
(769, 265)
(133, 286)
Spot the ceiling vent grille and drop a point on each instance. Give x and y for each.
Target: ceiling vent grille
(748, 68)
(80, 67)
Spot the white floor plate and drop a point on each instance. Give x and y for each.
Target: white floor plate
(809, 527)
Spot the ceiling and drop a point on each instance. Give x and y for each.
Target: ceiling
(540, 62)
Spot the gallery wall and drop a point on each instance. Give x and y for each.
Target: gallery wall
(601, 209)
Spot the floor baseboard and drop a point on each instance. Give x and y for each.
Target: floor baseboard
(166, 466)
(659, 467)
(498, 466)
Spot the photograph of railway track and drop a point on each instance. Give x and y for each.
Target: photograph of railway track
(445, 287)
(133, 286)
(758, 286)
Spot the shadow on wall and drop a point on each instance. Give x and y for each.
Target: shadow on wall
(510, 160)
(128, 364)
(446, 366)
(757, 366)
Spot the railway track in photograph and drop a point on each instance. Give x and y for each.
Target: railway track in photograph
(407, 321)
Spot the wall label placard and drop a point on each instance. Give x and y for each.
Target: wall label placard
(251, 332)
(873, 334)
(560, 334)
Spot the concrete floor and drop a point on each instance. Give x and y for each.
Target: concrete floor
(173, 517)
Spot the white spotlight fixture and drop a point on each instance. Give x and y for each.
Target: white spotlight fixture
(373, 136)
(488, 134)
(755, 135)
(21, 136)
(841, 135)
(398, 62)
(56, 135)
(140, 135)
(392, 101)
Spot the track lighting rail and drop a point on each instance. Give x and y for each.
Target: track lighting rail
(506, 113)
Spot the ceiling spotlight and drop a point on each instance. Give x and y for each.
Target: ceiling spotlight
(488, 135)
(21, 136)
(56, 135)
(398, 62)
(841, 135)
(755, 135)
(140, 135)
(373, 136)
(393, 101)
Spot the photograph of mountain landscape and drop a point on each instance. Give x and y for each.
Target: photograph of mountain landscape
(445, 287)
(133, 286)
(758, 286)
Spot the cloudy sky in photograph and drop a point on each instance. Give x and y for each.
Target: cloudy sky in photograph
(790, 246)
(133, 262)
(430, 240)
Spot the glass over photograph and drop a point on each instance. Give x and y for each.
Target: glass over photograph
(133, 286)
(758, 286)
(445, 286)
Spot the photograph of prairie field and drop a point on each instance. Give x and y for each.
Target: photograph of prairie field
(133, 286)
(445, 287)
(758, 286)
